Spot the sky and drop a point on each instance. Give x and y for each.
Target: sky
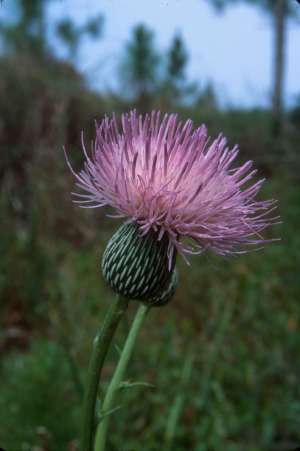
(232, 50)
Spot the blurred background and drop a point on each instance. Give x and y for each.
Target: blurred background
(231, 64)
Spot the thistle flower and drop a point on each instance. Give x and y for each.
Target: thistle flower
(174, 185)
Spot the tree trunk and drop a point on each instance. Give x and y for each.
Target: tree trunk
(280, 17)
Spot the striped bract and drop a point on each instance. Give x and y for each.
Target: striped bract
(136, 266)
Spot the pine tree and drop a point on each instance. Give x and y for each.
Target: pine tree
(28, 34)
(177, 59)
(71, 34)
(139, 69)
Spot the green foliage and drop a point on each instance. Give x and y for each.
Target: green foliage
(27, 30)
(38, 396)
(140, 65)
(174, 87)
(72, 35)
(177, 59)
(240, 318)
(94, 26)
(295, 113)
(243, 391)
(28, 33)
(68, 32)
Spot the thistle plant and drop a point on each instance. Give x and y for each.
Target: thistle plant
(178, 195)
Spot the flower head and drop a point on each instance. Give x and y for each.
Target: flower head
(169, 177)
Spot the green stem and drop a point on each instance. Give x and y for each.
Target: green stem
(101, 434)
(100, 348)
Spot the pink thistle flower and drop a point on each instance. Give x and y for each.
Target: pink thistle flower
(164, 175)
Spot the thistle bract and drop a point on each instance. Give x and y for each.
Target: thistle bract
(136, 266)
(167, 293)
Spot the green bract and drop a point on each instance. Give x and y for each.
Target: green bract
(136, 266)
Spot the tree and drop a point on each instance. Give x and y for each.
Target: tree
(280, 18)
(139, 68)
(177, 59)
(28, 33)
(207, 98)
(280, 11)
(71, 34)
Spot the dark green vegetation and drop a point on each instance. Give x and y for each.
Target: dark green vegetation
(237, 320)
(240, 318)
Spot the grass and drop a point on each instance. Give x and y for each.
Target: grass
(239, 318)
